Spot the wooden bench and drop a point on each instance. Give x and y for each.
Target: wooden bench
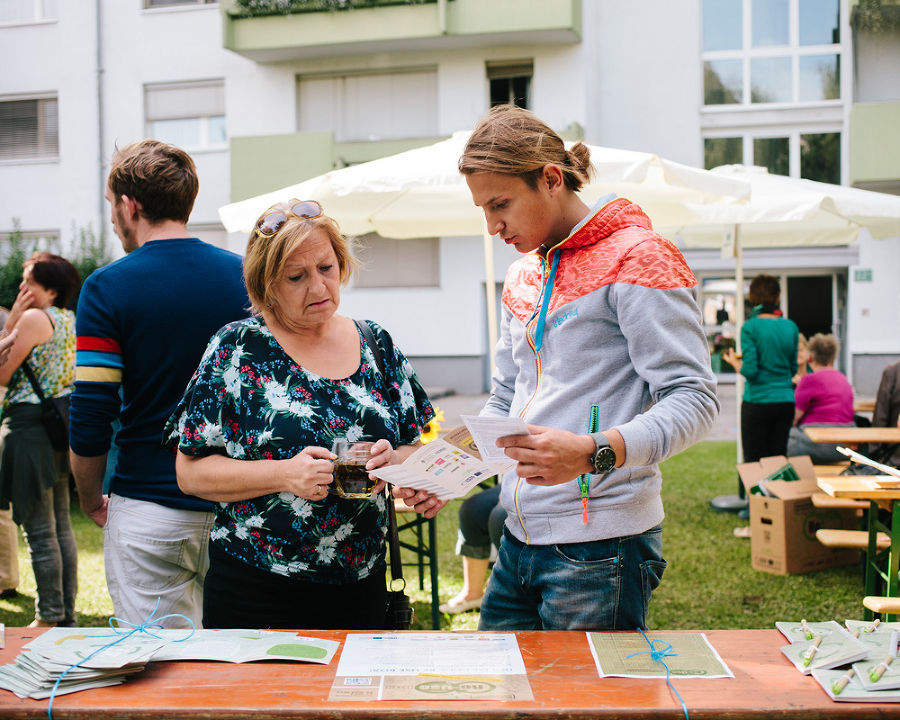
(858, 539)
(882, 605)
(824, 500)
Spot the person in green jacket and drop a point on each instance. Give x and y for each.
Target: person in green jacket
(768, 363)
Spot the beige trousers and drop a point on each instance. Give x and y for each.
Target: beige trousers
(9, 552)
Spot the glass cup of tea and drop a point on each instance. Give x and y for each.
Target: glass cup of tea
(350, 477)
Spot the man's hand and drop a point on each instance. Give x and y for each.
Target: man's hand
(547, 456)
(97, 511)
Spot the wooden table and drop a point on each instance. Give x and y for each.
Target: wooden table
(853, 435)
(561, 672)
(880, 566)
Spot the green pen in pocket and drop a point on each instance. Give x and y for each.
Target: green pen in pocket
(584, 481)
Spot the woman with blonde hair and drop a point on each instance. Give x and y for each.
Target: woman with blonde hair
(255, 425)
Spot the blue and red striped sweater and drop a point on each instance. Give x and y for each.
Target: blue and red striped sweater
(143, 323)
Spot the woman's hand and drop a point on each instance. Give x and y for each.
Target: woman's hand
(382, 454)
(732, 359)
(24, 301)
(309, 473)
(421, 501)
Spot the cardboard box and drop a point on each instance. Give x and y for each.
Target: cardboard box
(783, 524)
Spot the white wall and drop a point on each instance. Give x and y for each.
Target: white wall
(47, 57)
(873, 308)
(644, 79)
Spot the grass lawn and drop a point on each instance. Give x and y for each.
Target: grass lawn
(709, 583)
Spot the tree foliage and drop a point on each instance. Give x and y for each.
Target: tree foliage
(89, 253)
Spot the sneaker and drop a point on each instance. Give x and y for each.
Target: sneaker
(459, 604)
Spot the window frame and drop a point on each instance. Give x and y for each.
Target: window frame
(793, 133)
(751, 121)
(793, 51)
(40, 15)
(205, 144)
(364, 244)
(37, 157)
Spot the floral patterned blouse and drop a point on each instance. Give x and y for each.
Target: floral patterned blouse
(53, 363)
(250, 401)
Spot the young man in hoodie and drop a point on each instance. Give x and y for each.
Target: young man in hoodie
(602, 353)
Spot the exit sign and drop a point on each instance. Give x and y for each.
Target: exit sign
(862, 275)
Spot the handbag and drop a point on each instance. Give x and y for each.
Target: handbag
(54, 413)
(399, 613)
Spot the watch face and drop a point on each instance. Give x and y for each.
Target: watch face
(604, 460)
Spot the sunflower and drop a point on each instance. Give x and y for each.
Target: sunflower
(434, 427)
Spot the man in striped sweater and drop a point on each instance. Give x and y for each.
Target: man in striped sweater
(143, 323)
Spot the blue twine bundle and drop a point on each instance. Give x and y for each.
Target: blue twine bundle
(144, 627)
(658, 656)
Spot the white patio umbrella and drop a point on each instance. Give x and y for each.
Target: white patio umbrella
(420, 193)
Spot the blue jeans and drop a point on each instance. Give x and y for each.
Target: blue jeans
(599, 585)
(481, 519)
(54, 555)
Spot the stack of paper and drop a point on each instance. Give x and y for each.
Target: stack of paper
(855, 664)
(94, 657)
(42, 661)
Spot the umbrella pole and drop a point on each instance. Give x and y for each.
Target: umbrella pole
(490, 294)
(736, 503)
(739, 322)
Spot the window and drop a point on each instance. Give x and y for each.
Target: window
(771, 51)
(172, 3)
(29, 129)
(817, 155)
(27, 10)
(390, 262)
(189, 115)
(772, 86)
(369, 105)
(510, 83)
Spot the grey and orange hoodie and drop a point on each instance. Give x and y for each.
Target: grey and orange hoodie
(607, 317)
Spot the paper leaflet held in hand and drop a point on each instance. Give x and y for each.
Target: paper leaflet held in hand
(453, 465)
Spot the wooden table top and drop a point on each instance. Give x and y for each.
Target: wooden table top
(853, 435)
(857, 487)
(561, 672)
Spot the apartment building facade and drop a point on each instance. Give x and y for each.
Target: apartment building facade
(266, 93)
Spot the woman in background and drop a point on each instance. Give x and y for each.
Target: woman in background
(33, 476)
(823, 397)
(768, 363)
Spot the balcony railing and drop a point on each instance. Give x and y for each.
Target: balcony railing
(282, 30)
(263, 8)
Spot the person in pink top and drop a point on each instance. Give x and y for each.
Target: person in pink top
(823, 397)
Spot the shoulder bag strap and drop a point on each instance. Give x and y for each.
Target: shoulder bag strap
(393, 541)
(29, 373)
(33, 380)
(366, 331)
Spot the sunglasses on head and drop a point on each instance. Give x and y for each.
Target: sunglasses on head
(273, 219)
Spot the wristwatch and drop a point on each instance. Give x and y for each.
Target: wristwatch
(604, 457)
